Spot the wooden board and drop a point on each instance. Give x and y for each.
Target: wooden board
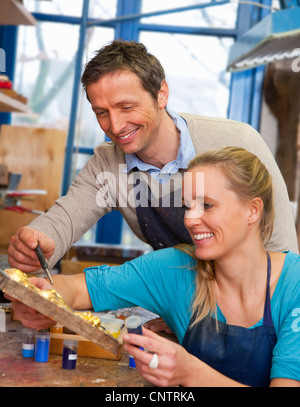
(59, 314)
(13, 12)
(8, 104)
(38, 154)
(86, 348)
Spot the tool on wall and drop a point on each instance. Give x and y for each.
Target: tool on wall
(11, 197)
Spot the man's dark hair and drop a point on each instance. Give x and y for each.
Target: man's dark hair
(131, 56)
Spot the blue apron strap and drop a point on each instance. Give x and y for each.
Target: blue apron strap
(267, 321)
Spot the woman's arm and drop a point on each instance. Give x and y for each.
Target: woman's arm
(73, 290)
(282, 382)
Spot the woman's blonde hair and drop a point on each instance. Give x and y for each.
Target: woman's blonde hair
(248, 177)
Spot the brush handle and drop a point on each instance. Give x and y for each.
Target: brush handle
(43, 262)
(41, 257)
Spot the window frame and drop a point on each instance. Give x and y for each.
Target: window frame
(245, 88)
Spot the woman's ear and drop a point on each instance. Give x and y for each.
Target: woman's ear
(163, 95)
(256, 208)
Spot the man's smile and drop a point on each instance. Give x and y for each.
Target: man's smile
(127, 137)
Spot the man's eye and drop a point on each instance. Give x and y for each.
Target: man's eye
(100, 114)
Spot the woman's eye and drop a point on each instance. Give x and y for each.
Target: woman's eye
(207, 206)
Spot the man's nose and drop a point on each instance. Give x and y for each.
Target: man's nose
(117, 123)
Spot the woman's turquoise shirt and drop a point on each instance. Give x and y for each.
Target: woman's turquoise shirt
(163, 282)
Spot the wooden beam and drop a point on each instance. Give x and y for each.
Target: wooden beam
(282, 89)
(12, 12)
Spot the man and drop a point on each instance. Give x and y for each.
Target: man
(150, 144)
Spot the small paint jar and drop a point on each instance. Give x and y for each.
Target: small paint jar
(119, 314)
(57, 329)
(127, 313)
(69, 355)
(42, 345)
(132, 362)
(134, 325)
(2, 320)
(28, 343)
(123, 313)
(113, 329)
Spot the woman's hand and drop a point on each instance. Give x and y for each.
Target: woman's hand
(29, 317)
(174, 362)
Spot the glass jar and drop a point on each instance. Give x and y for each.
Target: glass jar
(69, 356)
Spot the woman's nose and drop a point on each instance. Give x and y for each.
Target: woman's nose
(193, 216)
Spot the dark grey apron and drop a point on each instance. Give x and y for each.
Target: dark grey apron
(242, 354)
(162, 225)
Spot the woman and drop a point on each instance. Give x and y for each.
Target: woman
(234, 312)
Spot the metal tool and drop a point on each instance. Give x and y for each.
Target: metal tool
(3, 272)
(43, 262)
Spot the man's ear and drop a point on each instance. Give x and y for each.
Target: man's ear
(256, 208)
(163, 95)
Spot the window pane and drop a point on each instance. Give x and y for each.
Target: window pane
(128, 238)
(220, 16)
(44, 73)
(195, 71)
(97, 9)
(90, 133)
(67, 7)
(102, 9)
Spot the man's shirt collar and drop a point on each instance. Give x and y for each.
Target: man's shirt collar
(186, 152)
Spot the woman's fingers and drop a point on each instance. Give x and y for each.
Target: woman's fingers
(172, 358)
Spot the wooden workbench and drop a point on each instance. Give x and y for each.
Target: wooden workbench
(17, 371)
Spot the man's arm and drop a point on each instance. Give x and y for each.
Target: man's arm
(64, 224)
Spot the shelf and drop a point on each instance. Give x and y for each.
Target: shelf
(8, 104)
(12, 12)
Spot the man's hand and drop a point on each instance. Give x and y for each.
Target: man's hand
(21, 254)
